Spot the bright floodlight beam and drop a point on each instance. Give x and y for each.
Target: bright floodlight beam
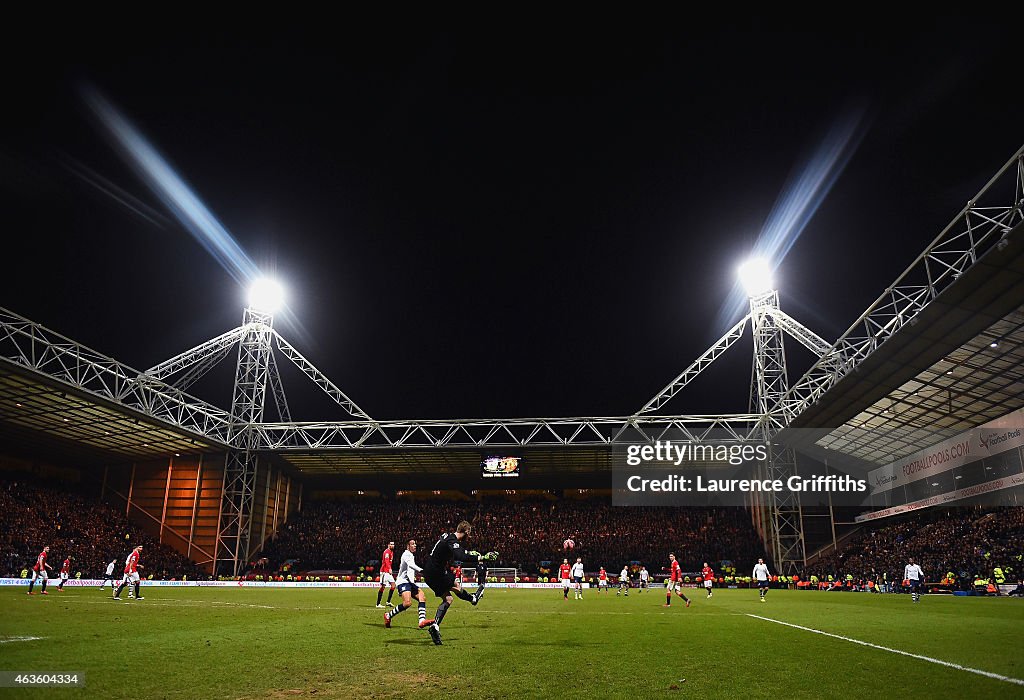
(266, 295)
(756, 276)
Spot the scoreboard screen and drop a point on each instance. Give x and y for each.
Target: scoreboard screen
(500, 467)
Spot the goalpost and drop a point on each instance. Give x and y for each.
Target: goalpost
(495, 575)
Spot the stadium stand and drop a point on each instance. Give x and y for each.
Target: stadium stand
(969, 542)
(346, 535)
(36, 514)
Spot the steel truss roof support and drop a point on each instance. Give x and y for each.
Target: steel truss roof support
(520, 432)
(979, 227)
(32, 346)
(319, 378)
(698, 366)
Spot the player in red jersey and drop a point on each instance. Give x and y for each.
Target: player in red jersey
(39, 571)
(602, 581)
(65, 571)
(708, 576)
(457, 572)
(564, 574)
(675, 583)
(131, 573)
(387, 578)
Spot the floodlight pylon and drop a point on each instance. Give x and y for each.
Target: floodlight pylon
(242, 462)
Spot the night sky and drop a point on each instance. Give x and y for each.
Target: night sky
(535, 223)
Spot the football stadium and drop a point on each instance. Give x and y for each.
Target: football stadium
(224, 519)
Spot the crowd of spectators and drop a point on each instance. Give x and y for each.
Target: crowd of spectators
(91, 532)
(968, 542)
(343, 535)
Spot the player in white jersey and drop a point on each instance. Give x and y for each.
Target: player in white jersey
(109, 575)
(407, 587)
(577, 577)
(762, 577)
(623, 582)
(645, 578)
(914, 577)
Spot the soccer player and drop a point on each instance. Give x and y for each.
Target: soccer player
(577, 578)
(438, 576)
(65, 571)
(39, 571)
(915, 576)
(109, 575)
(674, 583)
(602, 581)
(131, 573)
(623, 581)
(563, 573)
(407, 587)
(762, 577)
(457, 570)
(386, 579)
(708, 575)
(645, 577)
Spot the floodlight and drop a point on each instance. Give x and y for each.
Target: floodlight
(266, 295)
(756, 276)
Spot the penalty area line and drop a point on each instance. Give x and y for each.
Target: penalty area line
(940, 662)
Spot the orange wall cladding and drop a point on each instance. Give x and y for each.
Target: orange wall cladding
(178, 500)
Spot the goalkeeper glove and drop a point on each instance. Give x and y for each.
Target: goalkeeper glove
(490, 556)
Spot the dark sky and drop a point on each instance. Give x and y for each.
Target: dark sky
(535, 223)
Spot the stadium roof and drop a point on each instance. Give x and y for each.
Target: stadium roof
(49, 419)
(958, 365)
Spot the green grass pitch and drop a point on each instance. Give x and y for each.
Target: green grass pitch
(280, 643)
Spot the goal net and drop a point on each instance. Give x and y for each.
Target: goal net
(495, 575)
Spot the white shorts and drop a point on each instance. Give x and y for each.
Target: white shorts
(63, 576)
(566, 582)
(707, 583)
(387, 579)
(131, 578)
(39, 574)
(672, 586)
(602, 582)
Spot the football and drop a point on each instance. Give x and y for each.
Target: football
(568, 544)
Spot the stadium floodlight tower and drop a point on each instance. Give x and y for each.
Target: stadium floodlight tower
(769, 383)
(768, 380)
(255, 358)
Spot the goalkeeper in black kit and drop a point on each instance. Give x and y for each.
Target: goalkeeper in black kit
(437, 573)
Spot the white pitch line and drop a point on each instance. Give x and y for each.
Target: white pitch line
(940, 662)
(5, 640)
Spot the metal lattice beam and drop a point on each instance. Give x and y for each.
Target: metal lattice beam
(523, 432)
(240, 465)
(319, 378)
(698, 366)
(786, 514)
(199, 355)
(979, 227)
(770, 374)
(277, 389)
(32, 346)
(801, 333)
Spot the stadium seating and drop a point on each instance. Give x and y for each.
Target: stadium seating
(93, 533)
(968, 542)
(344, 535)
